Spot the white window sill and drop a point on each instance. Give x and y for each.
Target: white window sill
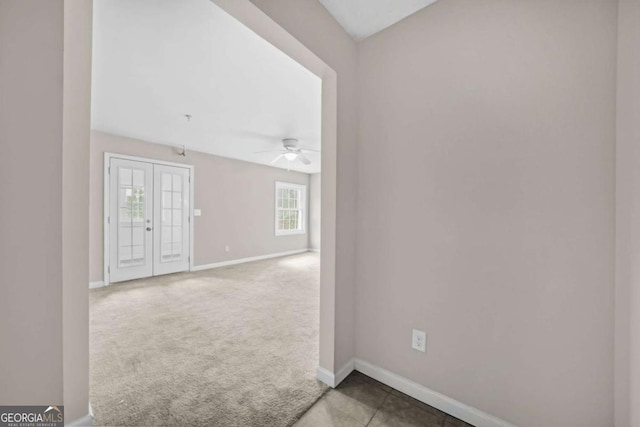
(289, 233)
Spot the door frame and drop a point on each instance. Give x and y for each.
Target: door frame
(77, 102)
(107, 200)
(335, 356)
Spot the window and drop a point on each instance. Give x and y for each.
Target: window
(291, 208)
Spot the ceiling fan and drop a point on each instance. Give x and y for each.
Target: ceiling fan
(291, 151)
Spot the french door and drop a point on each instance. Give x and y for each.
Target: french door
(171, 216)
(149, 218)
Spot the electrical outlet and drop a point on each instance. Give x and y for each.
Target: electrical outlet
(419, 340)
(227, 248)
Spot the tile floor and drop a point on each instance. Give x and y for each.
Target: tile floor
(362, 401)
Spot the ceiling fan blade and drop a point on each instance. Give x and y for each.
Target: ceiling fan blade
(277, 158)
(304, 159)
(309, 149)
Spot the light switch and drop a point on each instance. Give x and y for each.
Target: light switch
(197, 212)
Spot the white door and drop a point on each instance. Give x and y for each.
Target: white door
(130, 216)
(149, 219)
(171, 219)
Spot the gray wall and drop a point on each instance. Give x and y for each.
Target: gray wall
(486, 205)
(310, 23)
(314, 211)
(78, 19)
(31, 82)
(506, 257)
(44, 125)
(237, 200)
(627, 302)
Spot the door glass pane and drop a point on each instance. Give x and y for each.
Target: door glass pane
(166, 233)
(125, 177)
(166, 182)
(166, 199)
(177, 183)
(137, 255)
(166, 216)
(124, 237)
(177, 217)
(124, 255)
(131, 217)
(177, 234)
(177, 199)
(172, 224)
(138, 178)
(137, 236)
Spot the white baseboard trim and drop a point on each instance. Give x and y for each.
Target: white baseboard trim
(86, 421)
(326, 376)
(97, 284)
(314, 250)
(334, 380)
(345, 371)
(444, 403)
(243, 260)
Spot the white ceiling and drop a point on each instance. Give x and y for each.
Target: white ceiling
(156, 60)
(363, 18)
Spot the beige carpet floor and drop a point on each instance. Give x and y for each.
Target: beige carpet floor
(234, 346)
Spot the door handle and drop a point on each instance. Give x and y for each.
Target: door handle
(148, 228)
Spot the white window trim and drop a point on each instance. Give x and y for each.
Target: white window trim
(303, 205)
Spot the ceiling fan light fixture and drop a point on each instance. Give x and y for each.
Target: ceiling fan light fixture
(291, 156)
